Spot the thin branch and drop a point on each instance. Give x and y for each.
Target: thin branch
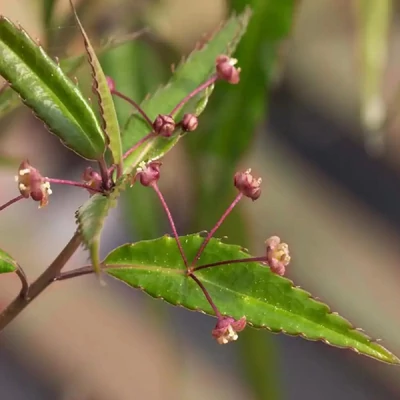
(72, 183)
(171, 222)
(41, 283)
(133, 148)
(217, 225)
(208, 297)
(196, 91)
(24, 282)
(226, 262)
(12, 201)
(86, 270)
(135, 105)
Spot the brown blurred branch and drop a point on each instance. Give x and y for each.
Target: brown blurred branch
(41, 283)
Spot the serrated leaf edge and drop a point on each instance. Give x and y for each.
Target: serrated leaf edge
(395, 359)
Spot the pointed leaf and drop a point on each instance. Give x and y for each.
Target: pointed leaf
(106, 104)
(91, 216)
(7, 263)
(48, 92)
(9, 100)
(244, 289)
(190, 74)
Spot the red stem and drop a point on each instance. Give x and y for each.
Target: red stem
(12, 201)
(133, 148)
(196, 91)
(171, 222)
(134, 104)
(225, 262)
(71, 183)
(217, 225)
(208, 297)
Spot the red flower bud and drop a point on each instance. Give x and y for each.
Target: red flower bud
(164, 125)
(189, 122)
(226, 69)
(247, 184)
(226, 329)
(32, 184)
(110, 83)
(148, 173)
(92, 179)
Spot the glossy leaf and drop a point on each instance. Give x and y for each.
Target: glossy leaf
(249, 289)
(91, 216)
(9, 99)
(106, 104)
(48, 92)
(190, 74)
(7, 263)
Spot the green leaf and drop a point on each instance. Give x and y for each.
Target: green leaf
(7, 263)
(106, 104)
(190, 74)
(9, 99)
(91, 216)
(48, 92)
(246, 289)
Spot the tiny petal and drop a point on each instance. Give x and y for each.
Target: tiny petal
(226, 69)
(190, 122)
(148, 173)
(278, 257)
(226, 329)
(247, 184)
(93, 180)
(110, 83)
(164, 125)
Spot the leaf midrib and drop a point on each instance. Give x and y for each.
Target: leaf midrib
(204, 280)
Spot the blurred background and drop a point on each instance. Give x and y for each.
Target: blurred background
(314, 115)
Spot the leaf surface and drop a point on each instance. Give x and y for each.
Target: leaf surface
(246, 289)
(91, 216)
(7, 263)
(48, 92)
(106, 103)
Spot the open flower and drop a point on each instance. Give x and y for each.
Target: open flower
(226, 329)
(226, 69)
(148, 173)
(247, 184)
(32, 184)
(277, 255)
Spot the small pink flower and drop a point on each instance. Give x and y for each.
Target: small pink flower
(164, 125)
(226, 69)
(32, 184)
(247, 184)
(149, 173)
(226, 329)
(278, 257)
